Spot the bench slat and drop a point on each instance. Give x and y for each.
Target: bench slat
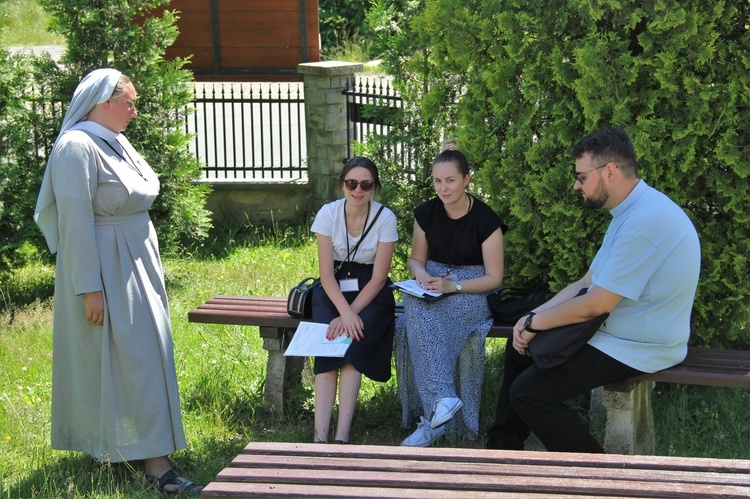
(500, 457)
(710, 367)
(642, 487)
(230, 489)
(314, 470)
(390, 464)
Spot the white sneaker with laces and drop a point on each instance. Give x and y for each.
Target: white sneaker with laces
(423, 436)
(445, 409)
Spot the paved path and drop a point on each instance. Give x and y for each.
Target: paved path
(55, 51)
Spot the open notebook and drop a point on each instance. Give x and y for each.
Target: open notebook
(411, 287)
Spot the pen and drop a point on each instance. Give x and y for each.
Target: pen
(441, 277)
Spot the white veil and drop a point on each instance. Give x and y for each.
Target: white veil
(97, 87)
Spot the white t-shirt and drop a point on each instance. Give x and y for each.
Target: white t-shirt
(331, 221)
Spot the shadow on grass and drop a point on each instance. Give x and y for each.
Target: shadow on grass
(79, 475)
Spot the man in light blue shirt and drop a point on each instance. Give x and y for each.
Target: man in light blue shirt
(644, 275)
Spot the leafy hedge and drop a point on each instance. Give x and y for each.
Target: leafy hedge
(526, 79)
(23, 123)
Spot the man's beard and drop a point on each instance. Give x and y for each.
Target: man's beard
(599, 198)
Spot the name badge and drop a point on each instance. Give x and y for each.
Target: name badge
(349, 285)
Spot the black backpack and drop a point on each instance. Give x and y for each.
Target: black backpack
(510, 304)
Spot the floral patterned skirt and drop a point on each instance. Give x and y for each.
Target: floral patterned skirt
(440, 352)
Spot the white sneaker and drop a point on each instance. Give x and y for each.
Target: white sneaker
(423, 436)
(445, 409)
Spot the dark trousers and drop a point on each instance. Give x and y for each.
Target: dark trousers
(532, 399)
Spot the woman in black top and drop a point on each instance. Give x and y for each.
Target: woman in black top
(457, 250)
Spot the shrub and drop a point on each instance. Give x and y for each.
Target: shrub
(341, 21)
(21, 124)
(531, 78)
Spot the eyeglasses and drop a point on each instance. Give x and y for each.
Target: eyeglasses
(581, 176)
(352, 184)
(130, 103)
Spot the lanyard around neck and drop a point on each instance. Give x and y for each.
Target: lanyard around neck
(365, 230)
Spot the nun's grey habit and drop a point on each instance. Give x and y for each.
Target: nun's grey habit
(114, 388)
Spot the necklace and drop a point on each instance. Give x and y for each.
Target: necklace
(349, 219)
(469, 203)
(132, 163)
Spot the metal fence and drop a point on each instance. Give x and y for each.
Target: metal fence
(371, 106)
(256, 131)
(249, 130)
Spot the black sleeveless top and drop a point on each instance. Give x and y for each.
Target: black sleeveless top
(457, 242)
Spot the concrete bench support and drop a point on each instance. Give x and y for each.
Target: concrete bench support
(630, 419)
(282, 373)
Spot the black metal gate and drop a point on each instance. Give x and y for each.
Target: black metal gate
(371, 106)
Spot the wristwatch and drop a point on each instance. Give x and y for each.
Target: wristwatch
(527, 324)
(459, 288)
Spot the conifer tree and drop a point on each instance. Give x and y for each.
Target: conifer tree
(532, 77)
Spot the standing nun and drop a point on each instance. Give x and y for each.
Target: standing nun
(114, 387)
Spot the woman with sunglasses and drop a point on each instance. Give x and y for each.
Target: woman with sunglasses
(457, 250)
(356, 236)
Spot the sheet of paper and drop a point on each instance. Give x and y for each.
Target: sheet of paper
(310, 341)
(411, 287)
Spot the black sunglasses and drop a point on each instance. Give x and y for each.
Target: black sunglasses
(352, 184)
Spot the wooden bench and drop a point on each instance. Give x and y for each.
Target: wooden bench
(269, 469)
(629, 419)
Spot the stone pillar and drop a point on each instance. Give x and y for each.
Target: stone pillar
(325, 123)
(630, 420)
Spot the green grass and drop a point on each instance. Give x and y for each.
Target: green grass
(221, 370)
(24, 23)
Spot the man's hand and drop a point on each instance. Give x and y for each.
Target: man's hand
(521, 337)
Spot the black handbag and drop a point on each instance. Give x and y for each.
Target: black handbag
(552, 347)
(299, 301)
(510, 304)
